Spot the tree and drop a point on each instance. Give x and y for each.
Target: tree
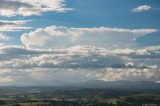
(2, 102)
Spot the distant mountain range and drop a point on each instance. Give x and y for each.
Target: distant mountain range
(146, 85)
(134, 85)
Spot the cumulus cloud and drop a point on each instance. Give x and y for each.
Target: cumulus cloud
(27, 8)
(16, 25)
(63, 37)
(141, 8)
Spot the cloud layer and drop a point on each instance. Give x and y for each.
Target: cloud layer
(15, 25)
(132, 74)
(14, 57)
(63, 37)
(82, 62)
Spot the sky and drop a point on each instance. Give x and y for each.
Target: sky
(68, 41)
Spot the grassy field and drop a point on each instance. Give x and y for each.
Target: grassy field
(43, 96)
(29, 104)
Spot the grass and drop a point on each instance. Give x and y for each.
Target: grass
(112, 101)
(28, 104)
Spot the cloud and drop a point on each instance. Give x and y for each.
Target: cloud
(78, 57)
(4, 72)
(152, 52)
(3, 37)
(6, 79)
(44, 76)
(27, 8)
(37, 75)
(82, 62)
(21, 58)
(11, 26)
(133, 74)
(63, 37)
(141, 8)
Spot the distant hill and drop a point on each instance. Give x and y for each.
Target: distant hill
(117, 85)
(122, 84)
(142, 85)
(51, 83)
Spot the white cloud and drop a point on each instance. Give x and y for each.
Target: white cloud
(141, 8)
(6, 79)
(112, 74)
(62, 37)
(3, 72)
(15, 25)
(44, 76)
(27, 7)
(37, 75)
(3, 37)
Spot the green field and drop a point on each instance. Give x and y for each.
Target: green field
(36, 96)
